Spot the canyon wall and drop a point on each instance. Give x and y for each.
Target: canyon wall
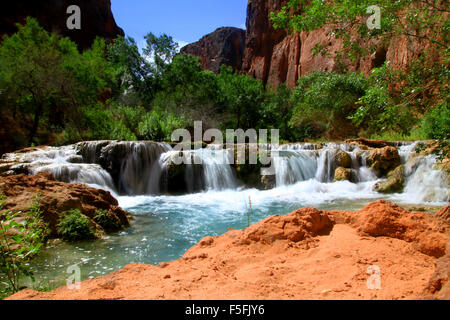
(223, 46)
(96, 18)
(277, 56)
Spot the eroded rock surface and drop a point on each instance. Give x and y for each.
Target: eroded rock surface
(55, 198)
(97, 19)
(223, 46)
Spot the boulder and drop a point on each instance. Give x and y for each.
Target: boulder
(344, 174)
(343, 159)
(55, 198)
(395, 181)
(383, 160)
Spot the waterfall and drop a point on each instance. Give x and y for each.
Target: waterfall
(294, 166)
(147, 168)
(301, 162)
(64, 164)
(218, 174)
(204, 169)
(141, 171)
(424, 183)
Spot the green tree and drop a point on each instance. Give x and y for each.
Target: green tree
(140, 73)
(242, 97)
(323, 102)
(46, 78)
(161, 49)
(32, 77)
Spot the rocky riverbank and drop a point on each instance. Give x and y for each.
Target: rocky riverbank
(308, 254)
(56, 198)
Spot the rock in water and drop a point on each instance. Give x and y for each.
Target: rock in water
(383, 160)
(395, 181)
(342, 159)
(344, 174)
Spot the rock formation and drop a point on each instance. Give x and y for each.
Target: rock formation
(308, 254)
(277, 56)
(223, 46)
(57, 197)
(96, 18)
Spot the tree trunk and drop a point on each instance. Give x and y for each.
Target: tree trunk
(37, 117)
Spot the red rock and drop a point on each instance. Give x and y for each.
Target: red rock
(276, 56)
(96, 18)
(223, 46)
(57, 197)
(383, 219)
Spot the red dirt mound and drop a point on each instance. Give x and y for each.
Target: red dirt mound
(308, 254)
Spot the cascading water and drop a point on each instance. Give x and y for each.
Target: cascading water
(302, 162)
(64, 164)
(424, 183)
(141, 171)
(294, 166)
(205, 169)
(146, 168)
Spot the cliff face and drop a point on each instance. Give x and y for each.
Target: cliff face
(275, 56)
(223, 46)
(96, 18)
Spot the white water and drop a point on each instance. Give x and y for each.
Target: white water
(304, 173)
(212, 172)
(65, 165)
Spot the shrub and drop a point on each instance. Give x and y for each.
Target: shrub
(158, 126)
(16, 248)
(106, 221)
(436, 123)
(74, 226)
(326, 100)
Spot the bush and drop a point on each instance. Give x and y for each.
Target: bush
(326, 100)
(158, 126)
(106, 221)
(19, 246)
(74, 226)
(436, 124)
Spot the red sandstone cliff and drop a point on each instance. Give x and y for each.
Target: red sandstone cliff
(223, 46)
(96, 18)
(275, 56)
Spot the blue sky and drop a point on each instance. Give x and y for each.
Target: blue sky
(186, 21)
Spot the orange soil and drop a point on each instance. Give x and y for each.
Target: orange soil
(308, 254)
